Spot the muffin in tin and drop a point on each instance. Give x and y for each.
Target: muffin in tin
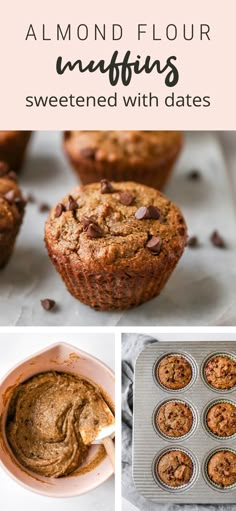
(12, 207)
(221, 419)
(174, 372)
(13, 145)
(221, 468)
(174, 419)
(115, 244)
(175, 468)
(143, 156)
(220, 372)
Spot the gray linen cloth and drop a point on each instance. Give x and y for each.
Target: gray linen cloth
(132, 345)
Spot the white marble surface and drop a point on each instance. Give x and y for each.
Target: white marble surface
(13, 348)
(202, 288)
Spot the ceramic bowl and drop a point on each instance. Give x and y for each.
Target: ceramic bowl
(65, 358)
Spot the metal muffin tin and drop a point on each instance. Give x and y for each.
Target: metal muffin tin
(149, 444)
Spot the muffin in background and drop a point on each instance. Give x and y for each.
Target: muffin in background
(13, 145)
(143, 156)
(115, 244)
(12, 207)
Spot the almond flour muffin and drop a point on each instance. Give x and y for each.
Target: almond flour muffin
(220, 372)
(174, 419)
(221, 419)
(115, 244)
(12, 147)
(143, 156)
(174, 372)
(222, 468)
(12, 207)
(175, 468)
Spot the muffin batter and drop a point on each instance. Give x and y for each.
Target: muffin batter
(175, 468)
(174, 419)
(44, 420)
(221, 419)
(222, 468)
(221, 372)
(174, 372)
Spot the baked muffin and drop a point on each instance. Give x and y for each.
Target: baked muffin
(115, 244)
(221, 419)
(222, 468)
(12, 207)
(12, 147)
(174, 419)
(174, 372)
(220, 372)
(175, 468)
(143, 156)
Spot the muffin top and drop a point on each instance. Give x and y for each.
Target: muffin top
(175, 468)
(134, 146)
(12, 203)
(117, 225)
(221, 419)
(222, 468)
(174, 418)
(174, 372)
(220, 372)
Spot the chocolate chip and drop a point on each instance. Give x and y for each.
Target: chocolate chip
(94, 231)
(151, 212)
(71, 204)
(193, 242)
(194, 174)
(43, 207)
(30, 198)
(48, 304)
(10, 196)
(87, 220)
(88, 152)
(3, 168)
(154, 245)
(106, 186)
(217, 240)
(126, 198)
(59, 210)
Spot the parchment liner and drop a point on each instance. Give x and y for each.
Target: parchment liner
(179, 438)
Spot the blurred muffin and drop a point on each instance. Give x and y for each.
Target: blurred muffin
(222, 468)
(143, 156)
(12, 147)
(220, 372)
(115, 244)
(174, 419)
(221, 419)
(12, 207)
(174, 372)
(175, 468)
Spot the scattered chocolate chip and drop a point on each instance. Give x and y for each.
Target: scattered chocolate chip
(12, 175)
(10, 196)
(94, 231)
(59, 209)
(43, 207)
(217, 240)
(126, 198)
(3, 168)
(71, 204)
(87, 220)
(30, 198)
(88, 152)
(195, 175)
(193, 242)
(151, 212)
(48, 304)
(154, 245)
(106, 186)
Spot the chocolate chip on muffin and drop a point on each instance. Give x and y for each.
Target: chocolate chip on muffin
(107, 257)
(222, 468)
(221, 419)
(174, 372)
(175, 468)
(143, 156)
(220, 372)
(174, 419)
